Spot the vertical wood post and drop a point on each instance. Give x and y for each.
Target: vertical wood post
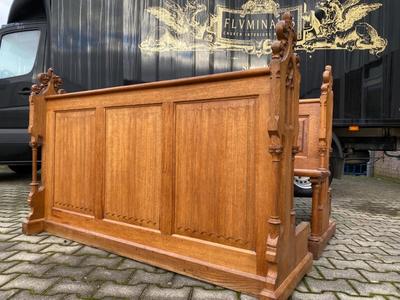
(283, 71)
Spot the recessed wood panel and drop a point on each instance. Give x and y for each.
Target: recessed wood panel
(133, 165)
(308, 156)
(302, 141)
(214, 180)
(74, 187)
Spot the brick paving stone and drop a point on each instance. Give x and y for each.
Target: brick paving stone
(65, 249)
(85, 250)
(161, 279)
(314, 273)
(68, 286)
(301, 287)
(55, 240)
(24, 246)
(17, 230)
(25, 295)
(132, 264)
(381, 277)
(323, 262)
(6, 265)
(246, 297)
(374, 244)
(7, 237)
(153, 292)
(381, 267)
(339, 285)
(110, 289)
(360, 256)
(180, 281)
(386, 239)
(337, 247)
(392, 245)
(4, 224)
(101, 261)
(76, 273)
(104, 274)
(353, 264)
(347, 297)
(332, 274)
(373, 250)
(75, 297)
(27, 256)
(64, 259)
(395, 252)
(28, 238)
(6, 254)
(5, 230)
(25, 282)
(356, 237)
(346, 242)
(309, 296)
(369, 289)
(202, 294)
(8, 294)
(389, 259)
(6, 278)
(36, 270)
(335, 254)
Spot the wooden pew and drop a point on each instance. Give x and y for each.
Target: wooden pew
(191, 175)
(312, 160)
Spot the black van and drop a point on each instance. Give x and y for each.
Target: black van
(103, 43)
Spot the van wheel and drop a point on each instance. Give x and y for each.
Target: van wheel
(302, 186)
(21, 169)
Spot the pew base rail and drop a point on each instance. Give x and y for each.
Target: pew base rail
(248, 283)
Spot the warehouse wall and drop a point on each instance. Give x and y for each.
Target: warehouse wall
(386, 166)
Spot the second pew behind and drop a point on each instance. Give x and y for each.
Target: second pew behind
(312, 160)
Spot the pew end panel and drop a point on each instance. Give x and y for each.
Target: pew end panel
(190, 175)
(49, 84)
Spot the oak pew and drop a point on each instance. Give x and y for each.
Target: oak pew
(190, 175)
(312, 160)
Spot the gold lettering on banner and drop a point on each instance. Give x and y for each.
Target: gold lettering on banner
(251, 29)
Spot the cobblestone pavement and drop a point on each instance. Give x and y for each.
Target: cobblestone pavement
(361, 262)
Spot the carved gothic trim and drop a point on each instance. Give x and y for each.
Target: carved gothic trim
(48, 82)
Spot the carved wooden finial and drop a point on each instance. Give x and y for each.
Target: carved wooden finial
(285, 65)
(286, 37)
(48, 82)
(327, 80)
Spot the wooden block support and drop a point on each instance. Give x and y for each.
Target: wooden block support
(190, 175)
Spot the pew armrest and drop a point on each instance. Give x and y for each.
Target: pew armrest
(313, 173)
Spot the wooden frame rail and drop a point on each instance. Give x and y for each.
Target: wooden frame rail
(191, 175)
(312, 160)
